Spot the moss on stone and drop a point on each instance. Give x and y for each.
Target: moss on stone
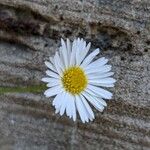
(31, 89)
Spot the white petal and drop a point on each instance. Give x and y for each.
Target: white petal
(64, 104)
(57, 100)
(51, 60)
(90, 92)
(81, 109)
(53, 82)
(81, 45)
(53, 91)
(69, 49)
(64, 53)
(47, 79)
(57, 65)
(68, 46)
(78, 51)
(59, 61)
(102, 84)
(100, 92)
(99, 70)
(100, 100)
(89, 58)
(57, 110)
(73, 108)
(73, 53)
(98, 63)
(99, 76)
(70, 109)
(88, 108)
(52, 74)
(102, 81)
(50, 66)
(61, 56)
(84, 51)
(93, 101)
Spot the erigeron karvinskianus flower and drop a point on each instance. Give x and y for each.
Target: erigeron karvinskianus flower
(77, 80)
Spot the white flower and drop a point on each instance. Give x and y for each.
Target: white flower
(76, 81)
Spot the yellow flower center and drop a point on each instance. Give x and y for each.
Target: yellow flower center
(74, 80)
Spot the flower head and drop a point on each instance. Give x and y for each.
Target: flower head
(76, 80)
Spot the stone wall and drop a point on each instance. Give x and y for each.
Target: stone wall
(30, 31)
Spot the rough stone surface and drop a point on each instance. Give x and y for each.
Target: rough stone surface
(30, 31)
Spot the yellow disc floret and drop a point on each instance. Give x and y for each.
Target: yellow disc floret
(74, 80)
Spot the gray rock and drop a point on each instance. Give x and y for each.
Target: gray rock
(30, 32)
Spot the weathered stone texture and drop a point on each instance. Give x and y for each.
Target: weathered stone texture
(30, 32)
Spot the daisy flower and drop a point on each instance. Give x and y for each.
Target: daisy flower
(77, 80)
